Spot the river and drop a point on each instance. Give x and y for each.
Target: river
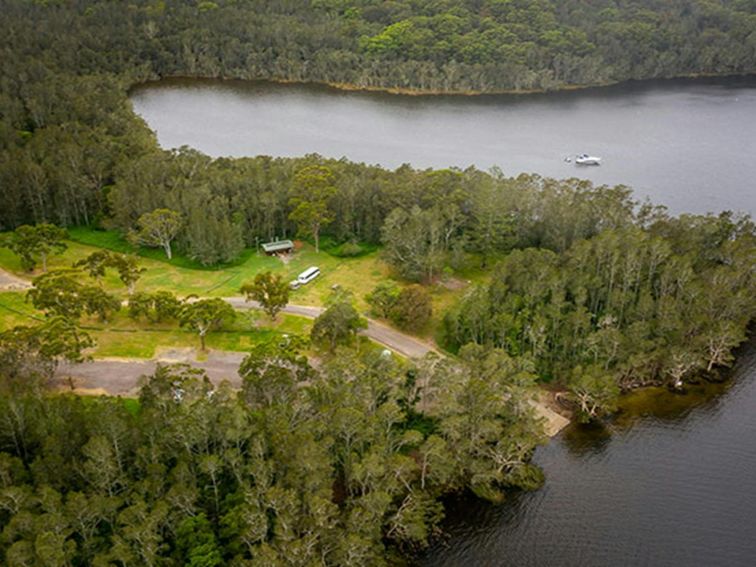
(690, 145)
(670, 482)
(672, 479)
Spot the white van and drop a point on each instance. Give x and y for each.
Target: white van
(308, 275)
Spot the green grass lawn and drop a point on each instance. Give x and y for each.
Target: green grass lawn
(184, 277)
(123, 337)
(14, 310)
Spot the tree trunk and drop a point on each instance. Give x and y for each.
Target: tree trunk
(168, 251)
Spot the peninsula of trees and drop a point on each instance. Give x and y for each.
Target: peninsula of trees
(339, 462)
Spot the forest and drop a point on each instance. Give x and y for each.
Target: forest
(277, 474)
(67, 133)
(340, 461)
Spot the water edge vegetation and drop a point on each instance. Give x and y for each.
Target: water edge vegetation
(337, 458)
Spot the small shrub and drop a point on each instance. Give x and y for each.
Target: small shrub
(382, 299)
(412, 309)
(349, 250)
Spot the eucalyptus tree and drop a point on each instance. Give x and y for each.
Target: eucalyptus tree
(311, 194)
(28, 351)
(412, 308)
(37, 241)
(268, 289)
(129, 270)
(62, 293)
(338, 324)
(205, 315)
(157, 228)
(97, 263)
(383, 298)
(414, 243)
(157, 307)
(594, 392)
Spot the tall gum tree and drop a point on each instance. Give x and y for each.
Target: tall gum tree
(205, 315)
(310, 199)
(157, 229)
(269, 290)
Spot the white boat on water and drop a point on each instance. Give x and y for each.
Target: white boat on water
(585, 159)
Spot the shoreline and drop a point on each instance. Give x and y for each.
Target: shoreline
(434, 93)
(118, 376)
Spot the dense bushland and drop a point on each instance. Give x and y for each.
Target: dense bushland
(66, 128)
(340, 465)
(337, 465)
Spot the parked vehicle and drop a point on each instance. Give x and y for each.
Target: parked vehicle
(308, 275)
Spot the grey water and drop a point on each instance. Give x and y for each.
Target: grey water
(672, 480)
(672, 484)
(689, 144)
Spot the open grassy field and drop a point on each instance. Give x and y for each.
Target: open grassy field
(14, 310)
(183, 276)
(123, 337)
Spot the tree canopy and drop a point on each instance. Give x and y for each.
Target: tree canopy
(624, 309)
(337, 325)
(157, 228)
(31, 243)
(270, 290)
(342, 464)
(312, 191)
(205, 315)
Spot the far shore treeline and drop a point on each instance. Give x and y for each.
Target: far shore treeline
(69, 141)
(341, 461)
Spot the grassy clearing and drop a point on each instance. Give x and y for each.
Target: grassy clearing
(15, 311)
(112, 240)
(183, 276)
(123, 337)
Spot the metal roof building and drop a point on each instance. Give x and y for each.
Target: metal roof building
(278, 246)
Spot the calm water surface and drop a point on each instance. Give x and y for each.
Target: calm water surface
(672, 482)
(688, 144)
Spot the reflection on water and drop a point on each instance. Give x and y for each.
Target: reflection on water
(662, 403)
(671, 480)
(584, 439)
(685, 144)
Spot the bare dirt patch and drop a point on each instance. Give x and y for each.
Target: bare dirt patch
(553, 414)
(454, 284)
(9, 282)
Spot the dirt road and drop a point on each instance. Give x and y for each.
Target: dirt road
(120, 377)
(116, 377)
(397, 341)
